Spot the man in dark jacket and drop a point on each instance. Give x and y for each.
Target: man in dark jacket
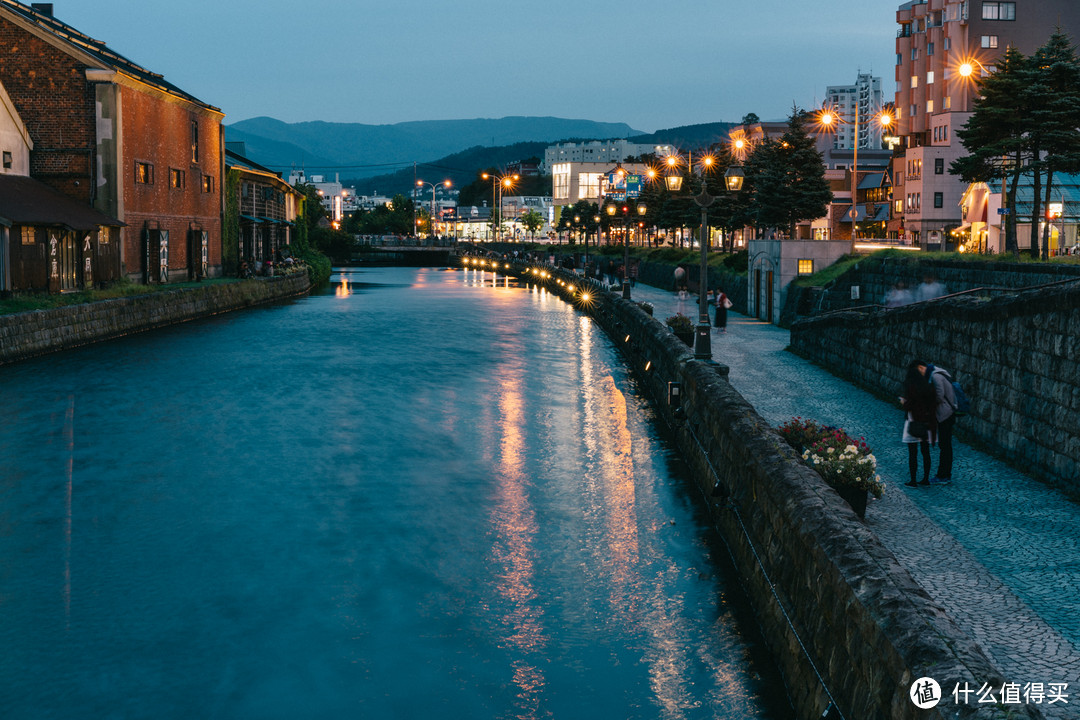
(946, 418)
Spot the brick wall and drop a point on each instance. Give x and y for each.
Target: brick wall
(50, 92)
(1015, 355)
(817, 577)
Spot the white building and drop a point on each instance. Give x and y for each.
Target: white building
(603, 152)
(866, 97)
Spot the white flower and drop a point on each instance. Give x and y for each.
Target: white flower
(851, 449)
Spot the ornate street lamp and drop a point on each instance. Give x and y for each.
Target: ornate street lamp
(733, 182)
(498, 182)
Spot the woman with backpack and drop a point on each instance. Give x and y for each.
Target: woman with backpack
(920, 422)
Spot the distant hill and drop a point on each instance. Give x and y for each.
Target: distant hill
(688, 137)
(357, 150)
(461, 168)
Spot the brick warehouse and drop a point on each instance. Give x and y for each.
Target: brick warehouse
(122, 140)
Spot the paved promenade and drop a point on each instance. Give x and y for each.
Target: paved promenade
(998, 550)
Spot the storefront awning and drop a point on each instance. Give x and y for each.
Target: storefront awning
(26, 201)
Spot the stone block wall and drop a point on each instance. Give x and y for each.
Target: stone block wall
(875, 277)
(817, 577)
(25, 335)
(1017, 357)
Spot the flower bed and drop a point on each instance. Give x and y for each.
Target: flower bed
(839, 459)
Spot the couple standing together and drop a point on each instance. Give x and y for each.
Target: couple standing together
(930, 403)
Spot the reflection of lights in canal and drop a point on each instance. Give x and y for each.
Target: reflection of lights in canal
(343, 289)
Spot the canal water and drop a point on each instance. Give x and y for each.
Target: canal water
(421, 493)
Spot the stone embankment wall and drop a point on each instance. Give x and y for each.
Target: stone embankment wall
(875, 277)
(1017, 357)
(818, 578)
(25, 335)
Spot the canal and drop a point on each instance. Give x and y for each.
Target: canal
(419, 493)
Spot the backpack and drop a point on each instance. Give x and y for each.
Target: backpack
(963, 405)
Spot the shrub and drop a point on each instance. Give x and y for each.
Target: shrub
(680, 323)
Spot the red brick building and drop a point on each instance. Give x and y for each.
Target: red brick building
(123, 140)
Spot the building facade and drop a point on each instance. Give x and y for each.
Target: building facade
(602, 152)
(120, 139)
(267, 208)
(863, 100)
(937, 42)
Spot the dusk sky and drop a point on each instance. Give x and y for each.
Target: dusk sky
(652, 65)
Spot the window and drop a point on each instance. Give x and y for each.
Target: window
(28, 235)
(176, 178)
(989, 41)
(588, 185)
(207, 184)
(946, 103)
(194, 141)
(899, 59)
(930, 78)
(7, 160)
(929, 48)
(939, 200)
(999, 11)
(929, 106)
(806, 267)
(948, 44)
(914, 53)
(914, 81)
(144, 173)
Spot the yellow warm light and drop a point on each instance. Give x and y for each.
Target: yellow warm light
(708, 161)
(966, 69)
(886, 120)
(586, 297)
(827, 118)
(570, 288)
(740, 144)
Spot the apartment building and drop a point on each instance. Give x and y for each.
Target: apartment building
(863, 100)
(937, 43)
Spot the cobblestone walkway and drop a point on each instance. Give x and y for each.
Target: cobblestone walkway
(998, 550)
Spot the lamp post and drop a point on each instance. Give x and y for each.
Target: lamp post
(498, 182)
(830, 119)
(733, 182)
(420, 184)
(611, 209)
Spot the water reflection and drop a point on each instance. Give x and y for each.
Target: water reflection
(515, 525)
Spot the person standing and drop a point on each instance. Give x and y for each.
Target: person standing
(920, 421)
(722, 305)
(945, 414)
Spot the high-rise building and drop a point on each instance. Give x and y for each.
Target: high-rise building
(942, 46)
(865, 95)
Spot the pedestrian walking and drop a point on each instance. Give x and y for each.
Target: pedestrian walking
(945, 414)
(920, 420)
(722, 305)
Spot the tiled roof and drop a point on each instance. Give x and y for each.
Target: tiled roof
(96, 49)
(26, 201)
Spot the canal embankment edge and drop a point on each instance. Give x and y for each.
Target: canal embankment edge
(846, 623)
(38, 332)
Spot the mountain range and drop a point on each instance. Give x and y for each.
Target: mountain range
(355, 150)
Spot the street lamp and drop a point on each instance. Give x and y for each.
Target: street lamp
(420, 184)
(611, 209)
(830, 120)
(733, 182)
(498, 182)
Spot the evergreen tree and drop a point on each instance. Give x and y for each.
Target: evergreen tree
(995, 135)
(786, 179)
(1055, 116)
